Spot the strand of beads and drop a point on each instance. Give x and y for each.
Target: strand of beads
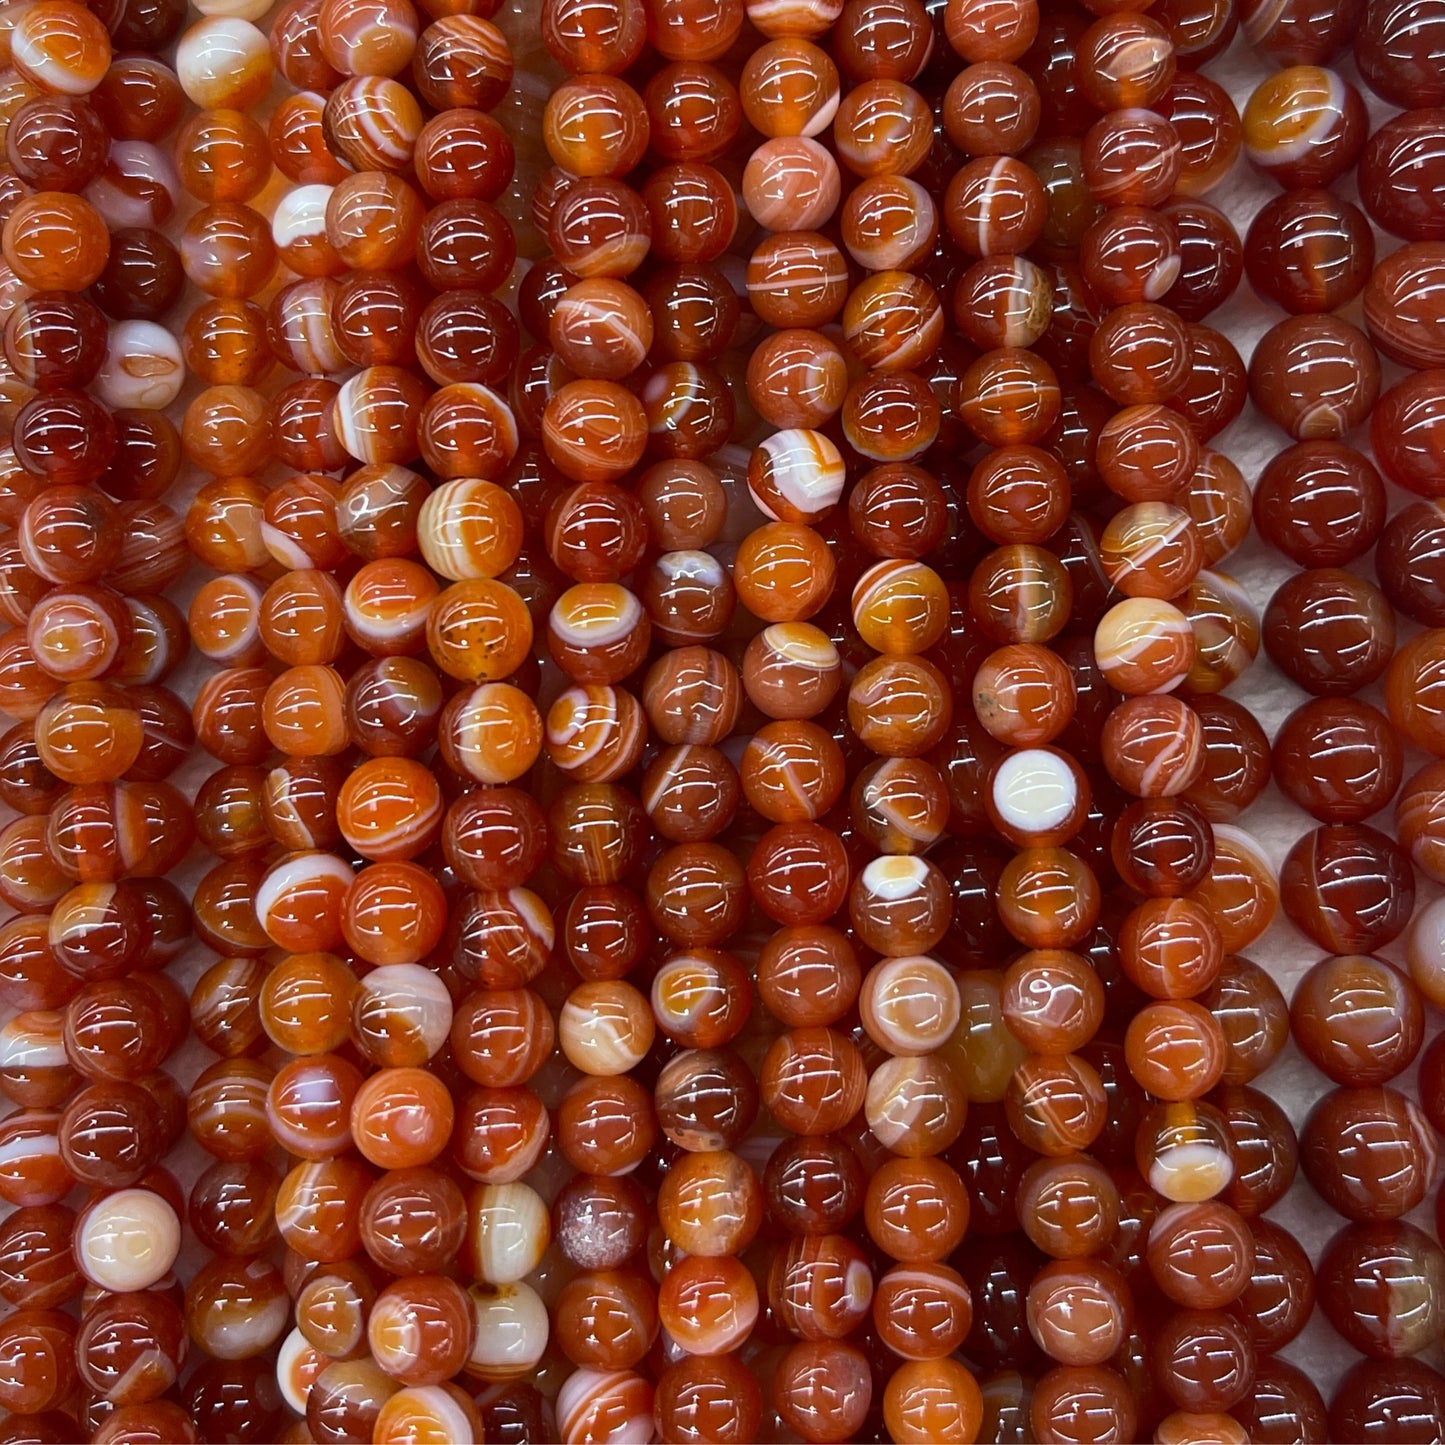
(274, 620)
(601, 329)
(1027, 697)
(1320, 480)
(305, 1003)
(97, 737)
(1322, 504)
(1399, 319)
(899, 707)
(709, 1299)
(819, 1284)
(1149, 644)
(424, 1327)
(709, 1200)
(275, 606)
(812, 1076)
(803, 378)
(594, 529)
(811, 1079)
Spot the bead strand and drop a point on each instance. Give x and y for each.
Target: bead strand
(1152, 550)
(1293, 500)
(101, 737)
(97, 739)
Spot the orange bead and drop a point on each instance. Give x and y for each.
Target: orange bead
(708, 1306)
(223, 525)
(224, 63)
(594, 431)
(932, 1402)
(304, 713)
(390, 808)
(394, 912)
(479, 631)
(595, 125)
(55, 241)
(783, 572)
(1241, 891)
(469, 528)
(401, 1118)
(1048, 898)
(387, 605)
(227, 431)
(1175, 1050)
(89, 732)
(1056, 1103)
(300, 899)
(1024, 694)
(792, 771)
(900, 606)
(1171, 947)
(491, 733)
(305, 1003)
(60, 46)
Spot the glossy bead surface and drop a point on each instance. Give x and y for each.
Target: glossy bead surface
(1329, 630)
(1343, 376)
(1406, 430)
(1304, 125)
(1322, 504)
(1338, 759)
(1401, 148)
(1379, 1287)
(1347, 906)
(1398, 45)
(1370, 1152)
(1309, 251)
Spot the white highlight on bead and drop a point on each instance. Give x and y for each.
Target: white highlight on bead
(292, 872)
(19, 1153)
(511, 1330)
(1162, 277)
(1191, 1173)
(1035, 790)
(33, 1041)
(692, 565)
(142, 367)
(595, 615)
(300, 216)
(1309, 121)
(535, 915)
(297, 1365)
(212, 51)
(508, 1230)
(414, 992)
(234, 10)
(803, 467)
(802, 645)
(143, 205)
(425, 1412)
(794, 17)
(893, 877)
(127, 1241)
(578, 1397)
